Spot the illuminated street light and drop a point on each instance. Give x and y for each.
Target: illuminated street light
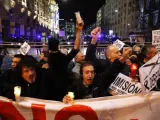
(23, 10)
(116, 10)
(29, 13)
(34, 17)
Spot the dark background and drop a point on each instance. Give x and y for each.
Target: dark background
(87, 8)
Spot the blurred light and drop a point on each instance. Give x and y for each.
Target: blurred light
(39, 36)
(68, 43)
(116, 10)
(129, 24)
(14, 37)
(35, 12)
(29, 13)
(19, 43)
(23, 10)
(51, 8)
(85, 42)
(35, 17)
(110, 32)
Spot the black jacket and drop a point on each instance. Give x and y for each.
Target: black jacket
(101, 64)
(59, 81)
(100, 83)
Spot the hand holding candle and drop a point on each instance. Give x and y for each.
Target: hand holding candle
(71, 95)
(133, 69)
(78, 17)
(17, 93)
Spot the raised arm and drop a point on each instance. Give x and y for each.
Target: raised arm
(77, 42)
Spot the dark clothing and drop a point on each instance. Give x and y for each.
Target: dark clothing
(100, 84)
(10, 79)
(101, 64)
(59, 81)
(41, 62)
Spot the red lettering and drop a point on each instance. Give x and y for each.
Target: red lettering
(9, 112)
(86, 112)
(38, 111)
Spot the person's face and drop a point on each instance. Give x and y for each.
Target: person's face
(41, 56)
(152, 52)
(29, 74)
(137, 49)
(80, 57)
(88, 74)
(15, 61)
(113, 54)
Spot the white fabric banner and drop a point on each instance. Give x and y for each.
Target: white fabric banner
(124, 85)
(24, 48)
(156, 38)
(150, 73)
(119, 44)
(125, 107)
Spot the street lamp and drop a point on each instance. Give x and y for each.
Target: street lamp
(116, 10)
(29, 13)
(23, 10)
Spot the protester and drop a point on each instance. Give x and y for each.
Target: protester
(148, 52)
(75, 72)
(112, 53)
(7, 76)
(27, 77)
(59, 65)
(44, 58)
(94, 85)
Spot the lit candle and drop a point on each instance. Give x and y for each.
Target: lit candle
(17, 93)
(71, 95)
(133, 68)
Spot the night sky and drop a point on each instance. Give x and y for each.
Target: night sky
(87, 8)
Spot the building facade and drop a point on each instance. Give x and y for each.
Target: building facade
(25, 19)
(150, 17)
(121, 16)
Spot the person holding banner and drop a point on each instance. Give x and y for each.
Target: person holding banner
(58, 64)
(93, 85)
(7, 76)
(28, 78)
(148, 52)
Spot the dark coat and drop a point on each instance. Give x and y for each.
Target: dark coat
(101, 64)
(35, 90)
(100, 84)
(59, 81)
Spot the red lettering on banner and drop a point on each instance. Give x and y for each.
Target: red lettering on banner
(86, 112)
(38, 111)
(9, 112)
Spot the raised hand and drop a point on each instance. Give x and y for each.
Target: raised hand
(79, 26)
(95, 33)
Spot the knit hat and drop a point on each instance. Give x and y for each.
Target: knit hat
(53, 44)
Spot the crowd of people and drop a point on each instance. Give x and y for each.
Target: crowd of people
(56, 73)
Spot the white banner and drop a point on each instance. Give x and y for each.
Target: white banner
(24, 48)
(124, 85)
(150, 73)
(126, 107)
(119, 44)
(156, 38)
